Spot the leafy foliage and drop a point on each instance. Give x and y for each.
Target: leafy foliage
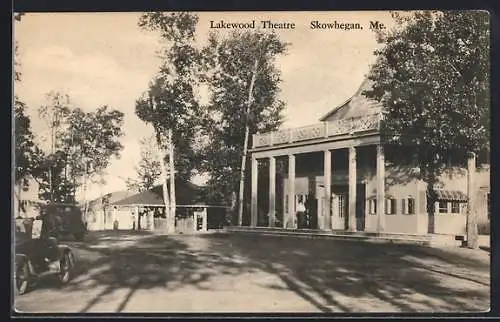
(212, 136)
(17, 73)
(170, 102)
(27, 154)
(92, 138)
(82, 144)
(148, 169)
(228, 66)
(432, 77)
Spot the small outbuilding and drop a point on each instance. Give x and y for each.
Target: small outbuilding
(146, 210)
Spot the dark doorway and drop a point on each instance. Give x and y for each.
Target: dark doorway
(311, 215)
(342, 191)
(360, 206)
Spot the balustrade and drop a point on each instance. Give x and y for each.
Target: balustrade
(318, 131)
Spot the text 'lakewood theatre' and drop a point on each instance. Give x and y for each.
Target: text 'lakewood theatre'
(338, 170)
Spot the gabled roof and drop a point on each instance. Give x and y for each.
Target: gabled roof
(356, 106)
(186, 193)
(112, 197)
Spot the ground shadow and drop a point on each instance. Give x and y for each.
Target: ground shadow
(331, 275)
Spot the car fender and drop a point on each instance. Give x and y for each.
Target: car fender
(21, 258)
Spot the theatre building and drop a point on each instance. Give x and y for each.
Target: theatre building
(338, 169)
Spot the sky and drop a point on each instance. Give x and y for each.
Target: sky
(106, 59)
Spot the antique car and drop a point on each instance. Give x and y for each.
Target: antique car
(36, 256)
(68, 219)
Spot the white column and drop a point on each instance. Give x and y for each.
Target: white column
(327, 175)
(272, 191)
(291, 192)
(352, 189)
(380, 188)
(254, 205)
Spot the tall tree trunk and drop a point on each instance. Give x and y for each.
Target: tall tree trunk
(85, 192)
(161, 157)
(431, 211)
(163, 175)
(18, 197)
(245, 144)
(52, 150)
(472, 234)
(172, 179)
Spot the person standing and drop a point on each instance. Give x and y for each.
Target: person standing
(301, 212)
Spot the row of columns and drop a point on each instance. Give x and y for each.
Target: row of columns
(327, 172)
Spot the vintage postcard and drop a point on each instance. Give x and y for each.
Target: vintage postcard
(251, 162)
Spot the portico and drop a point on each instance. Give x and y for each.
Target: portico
(338, 169)
(330, 140)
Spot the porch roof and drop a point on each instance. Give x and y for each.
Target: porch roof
(452, 195)
(186, 193)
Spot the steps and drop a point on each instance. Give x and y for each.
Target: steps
(393, 238)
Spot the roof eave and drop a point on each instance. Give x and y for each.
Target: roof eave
(333, 111)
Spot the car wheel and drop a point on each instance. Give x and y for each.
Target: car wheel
(66, 263)
(22, 277)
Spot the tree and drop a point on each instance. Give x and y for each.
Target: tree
(17, 73)
(432, 77)
(244, 84)
(148, 169)
(90, 141)
(81, 146)
(55, 186)
(27, 154)
(170, 103)
(55, 114)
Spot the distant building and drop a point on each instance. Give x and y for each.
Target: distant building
(100, 211)
(338, 168)
(146, 210)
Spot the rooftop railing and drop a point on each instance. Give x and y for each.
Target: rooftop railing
(349, 126)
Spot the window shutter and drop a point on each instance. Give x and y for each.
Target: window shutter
(386, 208)
(403, 206)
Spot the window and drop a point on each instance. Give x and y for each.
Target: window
(408, 206)
(443, 207)
(341, 206)
(455, 207)
(372, 206)
(411, 206)
(390, 206)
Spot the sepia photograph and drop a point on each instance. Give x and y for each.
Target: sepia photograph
(251, 162)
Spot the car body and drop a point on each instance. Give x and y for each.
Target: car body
(35, 257)
(67, 220)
